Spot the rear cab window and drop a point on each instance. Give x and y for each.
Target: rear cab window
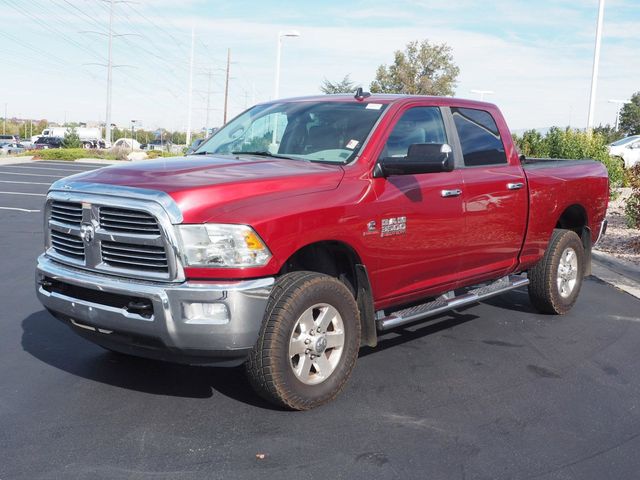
(479, 137)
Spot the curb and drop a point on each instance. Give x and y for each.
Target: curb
(621, 274)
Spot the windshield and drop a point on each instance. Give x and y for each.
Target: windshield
(624, 141)
(314, 131)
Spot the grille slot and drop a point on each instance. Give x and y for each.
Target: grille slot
(68, 213)
(128, 221)
(67, 245)
(149, 258)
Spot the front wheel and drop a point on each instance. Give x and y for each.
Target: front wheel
(308, 343)
(555, 281)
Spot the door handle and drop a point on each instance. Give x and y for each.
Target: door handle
(515, 186)
(451, 193)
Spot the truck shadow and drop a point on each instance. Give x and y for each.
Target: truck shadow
(423, 328)
(48, 340)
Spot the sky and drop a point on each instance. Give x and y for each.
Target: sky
(536, 56)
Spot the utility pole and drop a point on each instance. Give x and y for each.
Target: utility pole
(226, 87)
(206, 122)
(4, 123)
(190, 93)
(107, 131)
(596, 62)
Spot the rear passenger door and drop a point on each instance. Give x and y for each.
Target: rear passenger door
(495, 197)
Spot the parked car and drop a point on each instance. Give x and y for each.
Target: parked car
(9, 139)
(631, 154)
(162, 145)
(11, 148)
(126, 143)
(288, 250)
(48, 142)
(616, 149)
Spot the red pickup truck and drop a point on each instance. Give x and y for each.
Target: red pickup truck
(305, 227)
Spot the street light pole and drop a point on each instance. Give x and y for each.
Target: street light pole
(292, 33)
(190, 93)
(482, 93)
(596, 63)
(133, 122)
(107, 132)
(620, 103)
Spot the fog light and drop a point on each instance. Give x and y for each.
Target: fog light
(205, 313)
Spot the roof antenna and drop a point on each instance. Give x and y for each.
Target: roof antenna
(361, 95)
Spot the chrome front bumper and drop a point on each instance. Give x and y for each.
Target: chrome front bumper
(95, 306)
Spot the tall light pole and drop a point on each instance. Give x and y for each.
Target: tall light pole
(107, 132)
(482, 93)
(596, 63)
(281, 35)
(4, 122)
(190, 92)
(620, 103)
(133, 123)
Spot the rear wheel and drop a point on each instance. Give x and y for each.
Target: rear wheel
(555, 281)
(308, 343)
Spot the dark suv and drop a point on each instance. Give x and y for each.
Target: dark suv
(48, 142)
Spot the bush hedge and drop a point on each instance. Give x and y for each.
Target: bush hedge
(70, 154)
(632, 208)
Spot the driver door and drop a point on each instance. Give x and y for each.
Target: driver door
(419, 217)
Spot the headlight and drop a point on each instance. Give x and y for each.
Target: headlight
(221, 245)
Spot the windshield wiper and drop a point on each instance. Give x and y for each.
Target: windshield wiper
(263, 153)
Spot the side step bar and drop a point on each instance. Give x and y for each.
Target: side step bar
(447, 302)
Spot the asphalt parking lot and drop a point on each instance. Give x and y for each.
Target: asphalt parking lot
(493, 391)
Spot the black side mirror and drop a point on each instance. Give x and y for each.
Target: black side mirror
(421, 158)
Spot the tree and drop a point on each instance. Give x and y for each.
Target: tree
(71, 139)
(423, 68)
(630, 116)
(343, 86)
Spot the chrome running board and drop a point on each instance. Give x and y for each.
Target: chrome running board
(447, 302)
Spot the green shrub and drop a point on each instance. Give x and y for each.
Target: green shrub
(572, 144)
(70, 154)
(632, 208)
(71, 139)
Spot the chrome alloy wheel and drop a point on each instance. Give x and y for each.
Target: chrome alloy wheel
(316, 344)
(567, 272)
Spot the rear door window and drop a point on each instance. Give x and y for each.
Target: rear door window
(479, 137)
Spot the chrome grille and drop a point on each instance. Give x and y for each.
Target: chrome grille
(134, 256)
(68, 213)
(67, 245)
(128, 221)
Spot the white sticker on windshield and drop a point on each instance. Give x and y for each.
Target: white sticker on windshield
(352, 144)
(374, 106)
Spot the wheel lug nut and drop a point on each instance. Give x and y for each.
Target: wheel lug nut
(307, 341)
(318, 329)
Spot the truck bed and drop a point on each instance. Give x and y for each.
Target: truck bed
(532, 163)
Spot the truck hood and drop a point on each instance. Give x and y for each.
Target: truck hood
(206, 186)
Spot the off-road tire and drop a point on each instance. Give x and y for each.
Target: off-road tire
(543, 277)
(269, 364)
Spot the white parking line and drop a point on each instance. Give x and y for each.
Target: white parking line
(22, 193)
(68, 164)
(44, 168)
(19, 209)
(26, 183)
(33, 174)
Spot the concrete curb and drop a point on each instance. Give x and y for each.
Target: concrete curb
(14, 160)
(621, 274)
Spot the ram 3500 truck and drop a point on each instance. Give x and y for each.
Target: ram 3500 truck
(305, 227)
